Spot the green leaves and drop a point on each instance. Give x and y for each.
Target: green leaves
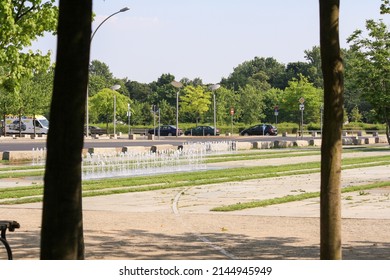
(385, 7)
(102, 105)
(195, 101)
(313, 99)
(21, 23)
(371, 64)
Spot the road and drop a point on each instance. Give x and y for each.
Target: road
(25, 144)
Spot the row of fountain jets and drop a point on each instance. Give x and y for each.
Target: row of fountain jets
(188, 157)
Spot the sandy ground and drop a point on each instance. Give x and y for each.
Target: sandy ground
(178, 223)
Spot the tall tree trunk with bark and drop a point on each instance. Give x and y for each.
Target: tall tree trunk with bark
(332, 68)
(62, 224)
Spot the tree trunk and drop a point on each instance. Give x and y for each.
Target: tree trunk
(332, 68)
(62, 225)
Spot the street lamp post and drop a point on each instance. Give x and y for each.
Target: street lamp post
(115, 88)
(93, 34)
(177, 85)
(128, 117)
(213, 89)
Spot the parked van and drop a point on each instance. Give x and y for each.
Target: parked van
(26, 125)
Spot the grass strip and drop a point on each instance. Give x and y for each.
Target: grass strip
(258, 156)
(164, 181)
(292, 198)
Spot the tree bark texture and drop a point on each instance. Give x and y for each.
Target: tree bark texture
(332, 68)
(62, 224)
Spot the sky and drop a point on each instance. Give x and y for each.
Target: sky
(207, 39)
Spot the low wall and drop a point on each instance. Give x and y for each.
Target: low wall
(283, 144)
(301, 143)
(263, 145)
(244, 145)
(134, 149)
(369, 140)
(156, 148)
(381, 139)
(101, 151)
(315, 142)
(15, 156)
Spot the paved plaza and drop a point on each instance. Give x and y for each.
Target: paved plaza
(178, 224)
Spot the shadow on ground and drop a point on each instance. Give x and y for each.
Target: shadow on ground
(144, 245)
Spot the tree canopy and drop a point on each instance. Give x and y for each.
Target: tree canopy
(254, 87)
(371, 66)
(21, 23)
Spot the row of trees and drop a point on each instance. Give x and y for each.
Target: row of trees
(257, 86)
(253, 89)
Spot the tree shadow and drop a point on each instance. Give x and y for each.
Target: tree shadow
(145, 245)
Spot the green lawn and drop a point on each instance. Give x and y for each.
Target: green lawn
(15, 195)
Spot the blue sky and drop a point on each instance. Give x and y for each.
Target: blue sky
(208, 38)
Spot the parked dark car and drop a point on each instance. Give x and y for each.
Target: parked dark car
(260, 129)
(166, 130)
(95, 130)
(202, 130)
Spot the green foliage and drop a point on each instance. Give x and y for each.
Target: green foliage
(271, 99)
(287, 127)
(385, 7)
(371, 65)
(355, 115)
(289, 104)
(253, 89)
(140, 92)
(251, 109)
(21, 23)
(167, 113)
(364, 126)
(102, 105)
(254, 69)
(225, 100)
(314, 74)
(163, 90)
(99, 77)
(194, 102)
(140, 113)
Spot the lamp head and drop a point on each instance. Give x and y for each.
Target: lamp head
(176, 84)
(215, 87)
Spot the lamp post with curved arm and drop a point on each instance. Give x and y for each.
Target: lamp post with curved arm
(177, 85)
(213, 89)
(115, 88)
(93, 34)
(120, 11)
